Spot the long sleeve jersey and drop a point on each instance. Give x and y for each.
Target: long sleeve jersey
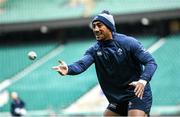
(118, 62)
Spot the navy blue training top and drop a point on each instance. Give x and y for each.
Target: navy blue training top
(118, 62)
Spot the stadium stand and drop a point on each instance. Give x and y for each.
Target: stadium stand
(45, 82)
(58, 14)
(59, 9)
(165, 82)
(16, 56)
(168, 54)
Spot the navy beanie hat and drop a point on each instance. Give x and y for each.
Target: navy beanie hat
(106, 18)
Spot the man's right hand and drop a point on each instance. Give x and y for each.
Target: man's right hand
(62, 68)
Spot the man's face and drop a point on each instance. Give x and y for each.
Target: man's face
(101, 32)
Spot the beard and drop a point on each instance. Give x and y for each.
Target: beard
(99, 36)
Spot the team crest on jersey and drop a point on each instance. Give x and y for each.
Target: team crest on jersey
(99, 53)
(119, 51)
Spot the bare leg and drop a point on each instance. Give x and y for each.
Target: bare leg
(109, 113)
(136, 113)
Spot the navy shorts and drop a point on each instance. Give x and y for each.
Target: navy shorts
(143, 104)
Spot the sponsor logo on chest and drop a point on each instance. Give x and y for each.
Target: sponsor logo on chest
(99, 53)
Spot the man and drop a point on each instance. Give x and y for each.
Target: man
(17, 105)
(124, 69)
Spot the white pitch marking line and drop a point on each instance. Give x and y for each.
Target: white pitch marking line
(156, 46)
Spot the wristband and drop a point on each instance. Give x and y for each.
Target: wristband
(144, 82)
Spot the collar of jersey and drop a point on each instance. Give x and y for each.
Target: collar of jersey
(105, 42)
